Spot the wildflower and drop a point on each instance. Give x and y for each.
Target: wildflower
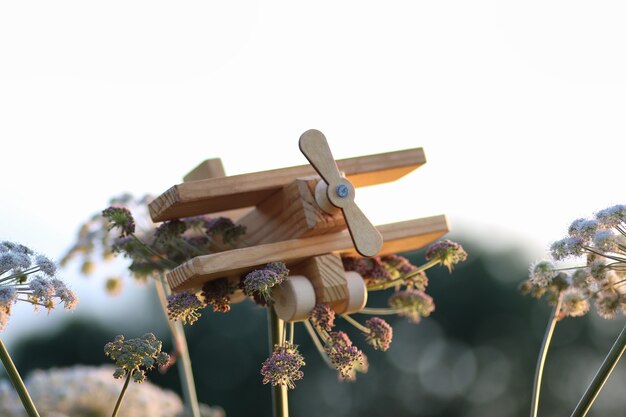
(217, 293)
(581, 278)
(380, 333)
(612, 216)
(606, 241)
(575, 303)
(569, 246)
(398, 263)
(278, 268)
(121, 218)
(447, 252)
(261, 281)
(133, 354)
(542, 273)
(20, 274)
(608, 304)
(184, 306)
(343, 355)
(323, 317)
(360, 367)
(224, 227)
(46, 265)
(412, 304)
(373, 270)
(283, 366)
(598, 269)
(583, 229)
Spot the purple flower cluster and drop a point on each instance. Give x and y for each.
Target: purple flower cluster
(261, 281)
(380, 333)
(412, 304)
(344, 356)
(447, 252)
(283, 366)
(184, 306)
(323, 317)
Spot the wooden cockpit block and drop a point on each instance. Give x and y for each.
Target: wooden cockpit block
(289, 213)
(327, 275)
(397, 237)
(212, 195)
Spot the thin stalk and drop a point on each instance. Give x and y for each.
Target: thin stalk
(291, 332)
(121, 397)
(399, 280)
(317, 343)
(280, 403)
(185, 372)
(381, 311)
(355, 323)
(547, 338)
(601, 377)
(17, 382)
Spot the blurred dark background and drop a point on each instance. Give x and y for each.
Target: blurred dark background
(475, 355)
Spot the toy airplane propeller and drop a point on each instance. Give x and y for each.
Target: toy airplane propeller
(304, 216)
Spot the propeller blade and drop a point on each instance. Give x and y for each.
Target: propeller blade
(366, 238)
(315, 148)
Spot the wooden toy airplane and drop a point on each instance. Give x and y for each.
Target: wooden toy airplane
(304, 216)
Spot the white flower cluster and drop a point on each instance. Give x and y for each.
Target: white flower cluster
(83, 391)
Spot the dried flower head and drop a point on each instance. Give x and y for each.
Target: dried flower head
(608, 304)
(575, 304)
(217, 293)
(583, 229)
(120, 218)
(22, 272)
(412, 304)
(542, 273)
(132, 355)
(447, 252)
(261, 281)
(183, 306)
(566, 247)
(342, 354)
(283, 366)
(612, 216)
(323, 317)
(380, 333)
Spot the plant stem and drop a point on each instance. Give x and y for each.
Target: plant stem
(185, 372)
(121, 397)
(399, 280)
(547, 338)
(355, 323)
(317, 343)
(603, 374)
(381, 311)
(17, 382)
(280, 404)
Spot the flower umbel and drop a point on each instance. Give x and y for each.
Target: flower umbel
(26, 276)
(132, 356)
(184, 306)
(344, 356)
(412, 304)
(323, 317)
(283, 366)
(380, 333)
(447, 252)
(261, 281)
(120, 218)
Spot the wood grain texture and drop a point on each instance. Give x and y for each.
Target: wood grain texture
(289, 213)
(327, 275)
(219, 194)
(397, 237)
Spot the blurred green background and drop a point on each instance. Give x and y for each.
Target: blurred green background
(475, 355)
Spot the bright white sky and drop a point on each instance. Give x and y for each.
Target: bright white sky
(519, 105)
